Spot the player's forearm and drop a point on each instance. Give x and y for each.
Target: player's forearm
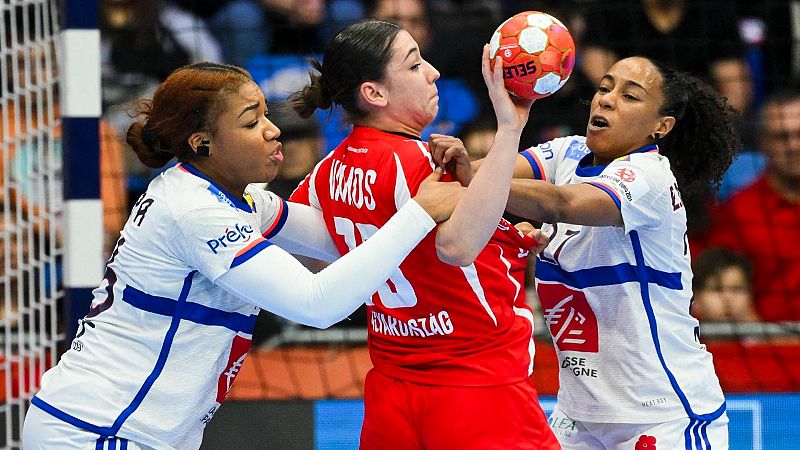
(580, 204)
(465, 234)
(536, 200)
(277, 282)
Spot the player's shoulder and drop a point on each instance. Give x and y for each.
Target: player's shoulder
(566, 147)
(650, 164)
(183, 189)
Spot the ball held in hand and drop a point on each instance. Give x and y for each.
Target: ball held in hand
(537, 52)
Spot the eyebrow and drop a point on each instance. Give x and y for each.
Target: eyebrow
(628, 82)
(415, 49)
(249, 108)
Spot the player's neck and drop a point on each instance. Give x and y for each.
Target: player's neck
(390, 126)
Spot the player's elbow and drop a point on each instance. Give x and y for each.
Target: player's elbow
(321, 323)
(454, 254)
(316, 320)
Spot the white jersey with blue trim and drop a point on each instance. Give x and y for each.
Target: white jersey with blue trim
(616, 299)
(154, 368)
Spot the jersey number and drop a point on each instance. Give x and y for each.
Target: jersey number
(568, 234)
(397, 292)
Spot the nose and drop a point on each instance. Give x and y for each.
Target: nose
(433, 72)
(606, 100)
(271, 131)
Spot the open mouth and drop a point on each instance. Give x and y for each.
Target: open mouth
(598, 122)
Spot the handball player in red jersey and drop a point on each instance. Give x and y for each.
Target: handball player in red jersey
(450, 334)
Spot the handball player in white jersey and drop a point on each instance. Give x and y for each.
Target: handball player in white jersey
(615, 281)
(172, 320)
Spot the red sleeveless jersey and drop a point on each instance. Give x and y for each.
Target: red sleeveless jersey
(431, 322)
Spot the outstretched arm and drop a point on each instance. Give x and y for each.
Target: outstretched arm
(580, 204)
(274, 280)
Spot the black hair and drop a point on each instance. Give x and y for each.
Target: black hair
(356, 54)
(713, 261)
(704, 140)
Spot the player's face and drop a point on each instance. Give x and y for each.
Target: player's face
(624, 111)
(245, 141)
(410, 85)
(780, 140)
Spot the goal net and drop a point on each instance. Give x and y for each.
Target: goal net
(30, 205)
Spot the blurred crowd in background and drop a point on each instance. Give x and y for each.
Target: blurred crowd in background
(744, 236)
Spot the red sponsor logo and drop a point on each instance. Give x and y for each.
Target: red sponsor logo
(626, 175)
(646, 442)
(571, 320)
(239, 348)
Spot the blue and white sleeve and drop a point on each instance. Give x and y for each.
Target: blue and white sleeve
(638, 189)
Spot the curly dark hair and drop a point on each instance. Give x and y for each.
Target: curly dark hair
(704, 140)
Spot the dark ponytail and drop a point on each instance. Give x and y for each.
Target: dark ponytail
(314, 96)
(143, 139)
(356, 54)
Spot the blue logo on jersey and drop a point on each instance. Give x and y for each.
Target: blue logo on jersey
(230, 236)
(576, 150)
(221, 197)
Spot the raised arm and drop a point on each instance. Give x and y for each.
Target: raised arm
(463, 236)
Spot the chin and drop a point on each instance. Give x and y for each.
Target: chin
(592, 142)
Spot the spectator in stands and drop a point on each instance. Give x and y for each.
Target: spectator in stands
(297, 25)
(722, 285)
(143, 41)
(763, 220)
(772, 28)
(240, 26)
(698, 37)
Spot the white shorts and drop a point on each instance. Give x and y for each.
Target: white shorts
(42, 431)
(675, 434)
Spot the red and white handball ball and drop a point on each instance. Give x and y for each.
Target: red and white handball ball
(537, 51)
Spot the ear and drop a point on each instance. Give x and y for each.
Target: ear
(196, 139)
(666, 124)
(373, 94)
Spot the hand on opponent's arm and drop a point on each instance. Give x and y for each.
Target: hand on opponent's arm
(539, 239)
